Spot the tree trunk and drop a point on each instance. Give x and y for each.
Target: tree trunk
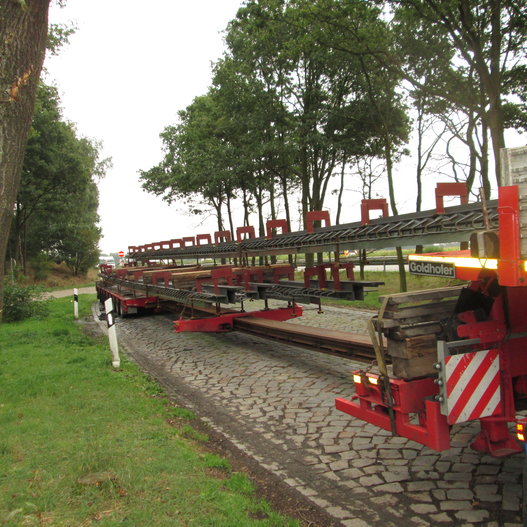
(261, 226)
(273, 212)
(309, 258)
(285, 190)
(229, 214)
(23, 26)
(245, 208)
(420, 168)
(389, 170)
(341, 191)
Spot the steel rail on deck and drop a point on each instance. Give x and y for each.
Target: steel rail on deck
(344, 344)
(418, 228)
(169, 293)
(341, 343)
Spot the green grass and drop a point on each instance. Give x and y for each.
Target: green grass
(83, 444)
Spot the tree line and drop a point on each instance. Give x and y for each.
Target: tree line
(55, 212)
(310, 90)
(48, 193)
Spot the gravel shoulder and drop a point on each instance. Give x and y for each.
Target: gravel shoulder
(67, 292)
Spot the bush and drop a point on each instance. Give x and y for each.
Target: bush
(22, 302)
(41, 266)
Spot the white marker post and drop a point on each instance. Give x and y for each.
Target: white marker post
(76, 304)
(112, 332)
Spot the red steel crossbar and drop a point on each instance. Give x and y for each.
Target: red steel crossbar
(223, 323)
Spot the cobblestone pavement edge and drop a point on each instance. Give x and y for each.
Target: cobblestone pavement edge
(275, 402)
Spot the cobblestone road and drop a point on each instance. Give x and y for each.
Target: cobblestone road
(276, 403)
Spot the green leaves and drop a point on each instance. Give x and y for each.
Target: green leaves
(56, 207)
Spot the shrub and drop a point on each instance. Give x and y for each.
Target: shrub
(22, 302)
(41, 266)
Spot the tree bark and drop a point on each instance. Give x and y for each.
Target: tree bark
(24, 28)
(341, 191)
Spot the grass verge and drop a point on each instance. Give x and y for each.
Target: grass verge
(82, 444)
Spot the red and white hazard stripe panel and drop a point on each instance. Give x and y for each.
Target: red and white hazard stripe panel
(472, 385)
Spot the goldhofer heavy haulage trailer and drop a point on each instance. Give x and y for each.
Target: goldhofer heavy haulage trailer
(455, 354)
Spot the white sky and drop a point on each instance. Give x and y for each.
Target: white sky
(129, 68)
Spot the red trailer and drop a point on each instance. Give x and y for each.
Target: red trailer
(465, 351)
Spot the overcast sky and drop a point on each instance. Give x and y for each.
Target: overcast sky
(129, 68)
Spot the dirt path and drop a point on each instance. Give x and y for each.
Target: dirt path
(67, 292)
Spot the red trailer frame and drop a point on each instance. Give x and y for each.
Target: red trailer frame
(485, 371)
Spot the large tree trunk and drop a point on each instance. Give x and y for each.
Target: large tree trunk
(24, 28)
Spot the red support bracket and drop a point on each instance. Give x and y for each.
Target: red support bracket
(335, 273)
(222, 236)
(244, 276)
(188, 241)
(203, 237)
(450, 189)
(161, 275)
(276, 224)
(319, 271)
(317, 215)
(334, 269)
(350, 273)
(217, 276)
(283, 270)
(223, 323)
(240, 231)
(368, 205)
(132, 249)
(176, 242)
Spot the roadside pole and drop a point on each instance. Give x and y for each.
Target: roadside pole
(112, 332)
(76, 304)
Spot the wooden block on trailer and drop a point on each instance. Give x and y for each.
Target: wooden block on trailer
(426, 328)
(187, 280)
(422, 312)
(179, 270)
(413, 347)
(190, 274)
(415, 367)
(422, 296)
